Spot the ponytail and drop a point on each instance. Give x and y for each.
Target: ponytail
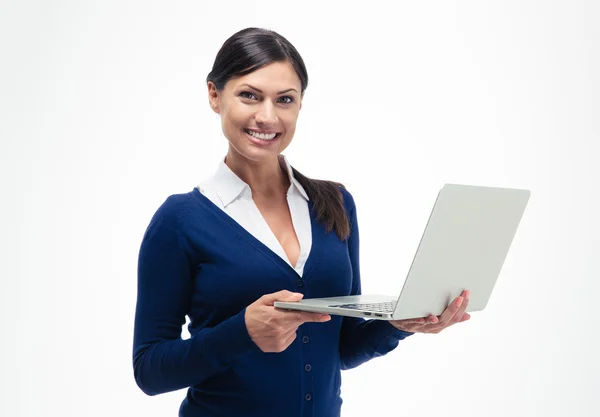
(328, 203)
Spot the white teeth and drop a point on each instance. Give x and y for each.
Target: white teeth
(262, 136)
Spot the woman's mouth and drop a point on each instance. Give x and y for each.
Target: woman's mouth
(262, 138)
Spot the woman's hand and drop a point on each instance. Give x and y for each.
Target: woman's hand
(273, 330)
(455, 313)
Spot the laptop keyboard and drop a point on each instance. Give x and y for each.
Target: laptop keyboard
(383, 307)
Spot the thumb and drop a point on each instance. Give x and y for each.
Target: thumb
(283, 295)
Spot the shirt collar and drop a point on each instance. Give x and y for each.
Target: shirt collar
(294, 183)
(229, 186)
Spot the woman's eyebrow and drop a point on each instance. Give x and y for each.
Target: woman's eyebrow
(260, 91)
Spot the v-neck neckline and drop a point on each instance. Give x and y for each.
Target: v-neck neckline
(312, 257)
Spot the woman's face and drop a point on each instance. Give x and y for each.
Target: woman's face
(259, 110)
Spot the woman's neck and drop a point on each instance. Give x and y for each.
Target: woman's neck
(265, 178)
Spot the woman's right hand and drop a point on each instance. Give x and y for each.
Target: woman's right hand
(273, 330)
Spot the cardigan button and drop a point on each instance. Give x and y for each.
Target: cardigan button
(305, 339)
(307, 368)
(308, 397)
(300, 283)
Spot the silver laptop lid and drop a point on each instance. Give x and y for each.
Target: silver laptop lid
(464, 245)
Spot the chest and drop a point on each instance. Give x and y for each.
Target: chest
(277, 216)
(236, 269)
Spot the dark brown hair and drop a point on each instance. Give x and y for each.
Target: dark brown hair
(251, 49)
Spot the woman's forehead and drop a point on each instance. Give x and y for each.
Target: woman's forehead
(277, 76)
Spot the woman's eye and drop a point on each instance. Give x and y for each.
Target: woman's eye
(286, 99)
(248, 95)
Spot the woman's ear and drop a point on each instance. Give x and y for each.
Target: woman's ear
(213, 97)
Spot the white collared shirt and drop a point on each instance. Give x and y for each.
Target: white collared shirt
(232, 195)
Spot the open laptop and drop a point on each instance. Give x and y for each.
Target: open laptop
(464, 245)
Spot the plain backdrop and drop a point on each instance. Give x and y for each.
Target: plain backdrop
(104, 113)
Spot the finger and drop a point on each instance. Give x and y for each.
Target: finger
(297, 318)
(465, 317)
(404, 325)
(419, 321)
(454, 313)
(433, 327)
(451, 311)
(416, 324)
(432, 319)
(290, 339)
(291, 332)
(283, 295)
(462, 310)
(411, 325)
(281, 342)
(410, 322)
(431, 324)
(305, 317)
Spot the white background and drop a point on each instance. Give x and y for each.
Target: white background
(103, 114)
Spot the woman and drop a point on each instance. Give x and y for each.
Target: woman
(256, 232)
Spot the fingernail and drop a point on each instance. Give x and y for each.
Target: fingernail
(459, 302)
(325, 317)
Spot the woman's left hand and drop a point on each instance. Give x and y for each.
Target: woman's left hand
(455, 313)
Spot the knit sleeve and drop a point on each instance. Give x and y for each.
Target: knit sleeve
(162, 360)
(362, 340)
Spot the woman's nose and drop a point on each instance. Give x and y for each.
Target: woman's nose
(266, 114)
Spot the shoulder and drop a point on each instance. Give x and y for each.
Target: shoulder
(347, 198)
(173, 210)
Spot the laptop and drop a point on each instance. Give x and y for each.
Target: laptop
(464, 245)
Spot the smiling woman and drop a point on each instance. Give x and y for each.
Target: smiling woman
(253, 111)
(254, 233)
(257, 84)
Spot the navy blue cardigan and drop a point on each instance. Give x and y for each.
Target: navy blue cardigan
(197, 261)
